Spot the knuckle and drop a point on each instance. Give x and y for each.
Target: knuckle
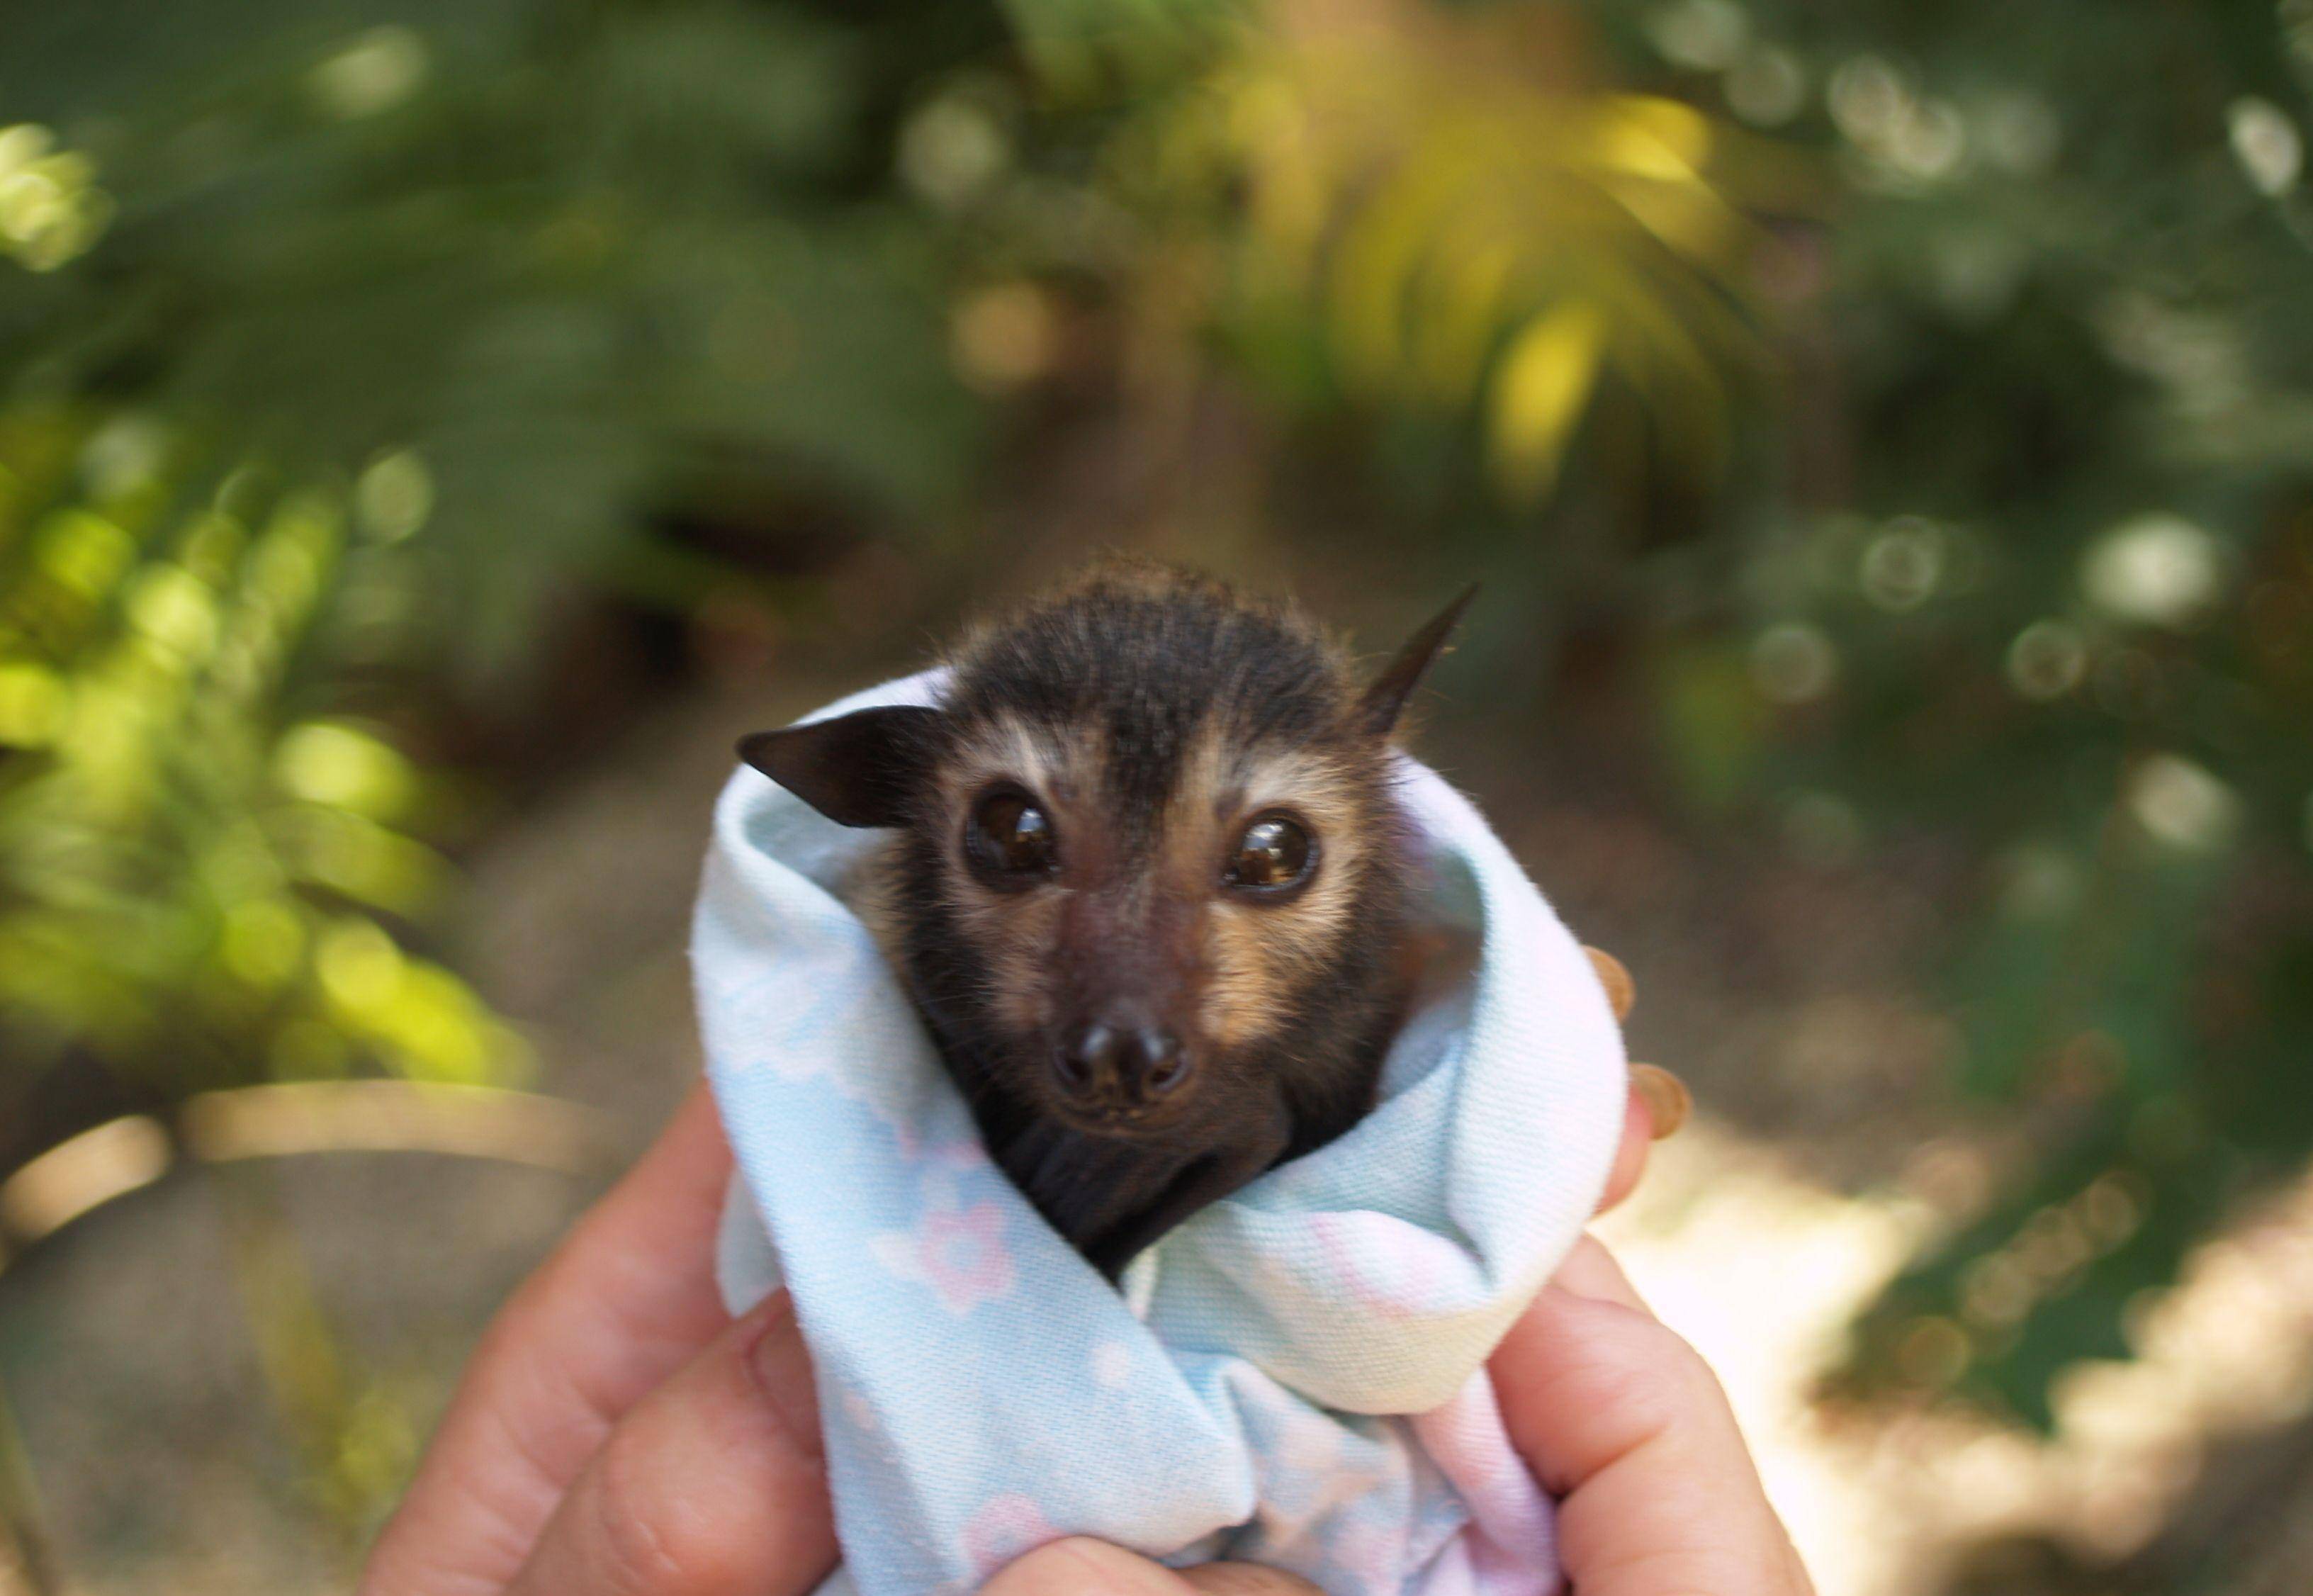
(1692, 1373)
(1673, 1376)
(1646, 1370)
(1656, 1345)
(651, 1540)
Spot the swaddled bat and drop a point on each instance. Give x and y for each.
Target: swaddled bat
(1148, 885)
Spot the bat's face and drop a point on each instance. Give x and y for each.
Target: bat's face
(1129, 941)
(1148, 855)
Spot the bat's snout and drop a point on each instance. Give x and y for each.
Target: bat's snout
(1115, 1068)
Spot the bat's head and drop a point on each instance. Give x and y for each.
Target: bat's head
(1149, 869)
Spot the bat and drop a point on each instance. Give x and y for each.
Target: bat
(1146, 880)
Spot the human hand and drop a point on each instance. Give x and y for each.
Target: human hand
(617, 1432)
(1619, 1419)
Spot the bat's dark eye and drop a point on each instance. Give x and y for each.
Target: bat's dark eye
(1010, 840)
(1274, 853)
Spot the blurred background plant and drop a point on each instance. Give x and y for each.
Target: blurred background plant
(197, 883)
(1885, 435)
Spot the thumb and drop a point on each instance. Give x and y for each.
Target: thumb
(1625, 1423)
(714, 1483)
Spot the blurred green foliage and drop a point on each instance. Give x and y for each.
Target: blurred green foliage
(1921, 398)
(1419, 218)
(193, 882)
(575, 256)
(2035, 581)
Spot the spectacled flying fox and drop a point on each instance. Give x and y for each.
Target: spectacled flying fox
(1148, 883)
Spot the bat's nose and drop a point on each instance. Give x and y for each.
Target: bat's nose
(1121, 1065)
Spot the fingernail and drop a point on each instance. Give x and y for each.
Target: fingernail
(782, 1370)
(1621, 992)
(1667, 1100)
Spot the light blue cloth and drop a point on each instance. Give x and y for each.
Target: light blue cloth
(1294, 1375)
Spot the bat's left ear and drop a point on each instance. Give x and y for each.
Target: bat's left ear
(1385, 700)
(861, 769)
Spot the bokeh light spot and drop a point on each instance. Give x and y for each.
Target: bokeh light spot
(2019, 132)
(1005, 337)
(330, 762)
(952, 150)
(1933, 1352)
(1703, 34)
(85, 554)
(2040, 882)
(359, 966)
(175, 609)
(126, 454)
(2047, 660)
(1767, 87)
(2159, 569)
(262, 941)
(35, 704)
(2182, 803)
(1901, 566)
(393, 497)
(2266, 143)
(1794, 663)
(375, 73)
(50, 208)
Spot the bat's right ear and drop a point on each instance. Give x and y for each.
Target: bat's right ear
(1384, 701)
(861, 769)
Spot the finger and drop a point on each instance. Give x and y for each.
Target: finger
(1631, 1157)
(626, 1299)
(1624, 1422)
(1078, 1566)
(1246, 1579)
(1590, 1271)
(713, 1485)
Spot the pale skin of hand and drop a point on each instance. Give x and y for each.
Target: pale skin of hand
(618, 1433)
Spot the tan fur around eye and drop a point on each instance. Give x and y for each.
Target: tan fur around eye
(1006, 749)
(1258, 954)
(1013, 933)
(1319, 786)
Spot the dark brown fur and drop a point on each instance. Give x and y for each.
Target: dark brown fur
(1150, 715)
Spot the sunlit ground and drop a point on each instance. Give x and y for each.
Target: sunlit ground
(1761, 1270)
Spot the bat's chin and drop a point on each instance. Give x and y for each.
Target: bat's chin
(1116, 1122)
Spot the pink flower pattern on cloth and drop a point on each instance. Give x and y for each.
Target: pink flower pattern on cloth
(1008, 1526)
(960, 1254)
(1296, 1376)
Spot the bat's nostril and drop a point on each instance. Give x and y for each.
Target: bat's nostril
(1163, 1062)
(1088, 1063)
